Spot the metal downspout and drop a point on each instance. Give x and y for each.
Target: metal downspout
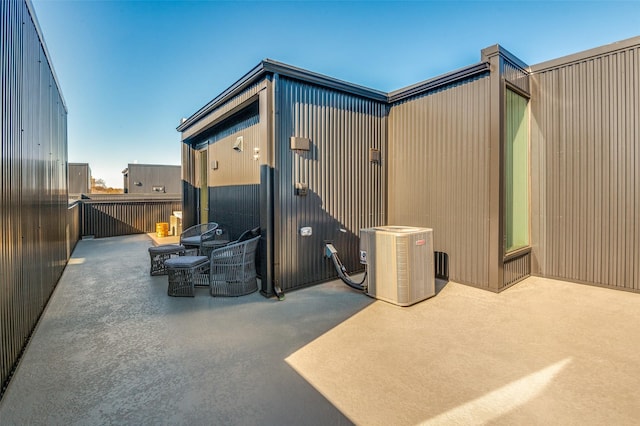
(270, 200)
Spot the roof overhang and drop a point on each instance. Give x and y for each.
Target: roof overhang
(585, 55)
(271, 67)
(438, 82)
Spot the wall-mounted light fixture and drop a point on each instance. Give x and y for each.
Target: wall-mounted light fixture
(237, 145)
(137, 183)
(214, 165)
(301, 189)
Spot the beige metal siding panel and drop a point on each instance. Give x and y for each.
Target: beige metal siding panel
(33, 180)
(236, 168)
(439, 173)
(346, 191)
(586, 115)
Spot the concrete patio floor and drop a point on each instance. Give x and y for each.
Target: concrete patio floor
(113, 348)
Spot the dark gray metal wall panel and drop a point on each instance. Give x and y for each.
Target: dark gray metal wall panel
(585, 174)
(112, 218)
(33, 180)
(189, 189)
(439, 173)
(236, 207)
(345, 191)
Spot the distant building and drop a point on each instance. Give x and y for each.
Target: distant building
(79, 178)
(152, 179)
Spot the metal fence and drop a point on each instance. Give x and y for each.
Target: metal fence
(585, 167)
(33, 180)
(110, 218)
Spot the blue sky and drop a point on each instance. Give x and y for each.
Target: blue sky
(129, 70)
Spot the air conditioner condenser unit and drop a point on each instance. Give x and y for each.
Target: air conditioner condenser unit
(399, 261)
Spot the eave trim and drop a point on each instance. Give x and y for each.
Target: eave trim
(435, 83)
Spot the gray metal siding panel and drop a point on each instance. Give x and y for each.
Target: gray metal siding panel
(346, 191)
(33, 181)
(585, 157)
(235, 207)
(439, 173)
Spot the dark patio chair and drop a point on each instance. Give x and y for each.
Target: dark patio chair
(192, 237)
(233, 269)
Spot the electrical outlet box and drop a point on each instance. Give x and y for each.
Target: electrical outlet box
(300, 144)
(374, 156)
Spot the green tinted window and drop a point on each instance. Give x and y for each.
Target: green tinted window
(516, 173)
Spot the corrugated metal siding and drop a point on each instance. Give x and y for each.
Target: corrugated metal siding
(33, 181)
(439, 173)
(234, 187)
(234, 196)
(516, 269)
(74, 227)
(515, 75)
(346, 191)
(585, 174)
(236, 207)
(112, 218)
(235, 168)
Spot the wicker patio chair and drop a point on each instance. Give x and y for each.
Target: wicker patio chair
(247, 235)
(233, 269)
(192, 237)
